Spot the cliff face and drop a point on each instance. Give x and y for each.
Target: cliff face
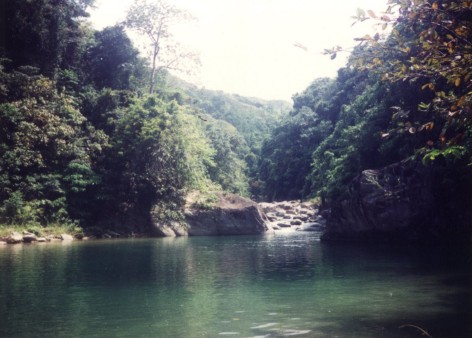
(404, 202)
(229, 215)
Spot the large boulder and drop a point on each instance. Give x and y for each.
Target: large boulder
(405, 202)
(229, 214)
(170, 229)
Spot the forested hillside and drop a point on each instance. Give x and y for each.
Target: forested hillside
(407, 96)
(82, 142)
(403, 102)
(94, 134)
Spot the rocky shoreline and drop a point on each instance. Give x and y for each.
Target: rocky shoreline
(233, 215)
(29, 237)
(293, 215)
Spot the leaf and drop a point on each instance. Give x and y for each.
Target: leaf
(434, 6)
(360, 13)
(333, 56)
(457, 82)
(371, 14)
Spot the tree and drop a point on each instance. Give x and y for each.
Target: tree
(153, 20)
(112, 60)
(430, 45)
(45, 34)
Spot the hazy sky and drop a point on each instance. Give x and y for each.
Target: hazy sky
(247, 46)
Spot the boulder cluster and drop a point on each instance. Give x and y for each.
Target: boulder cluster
(294, 215)
(29, 237)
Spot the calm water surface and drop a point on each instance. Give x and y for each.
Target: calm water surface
(268, 286)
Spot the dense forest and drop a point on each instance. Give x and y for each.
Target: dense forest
(95, 135)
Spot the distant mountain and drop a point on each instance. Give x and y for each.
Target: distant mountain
(254, 118)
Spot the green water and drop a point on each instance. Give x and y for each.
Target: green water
(267, 286)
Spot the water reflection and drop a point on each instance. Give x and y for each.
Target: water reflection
(269, 286)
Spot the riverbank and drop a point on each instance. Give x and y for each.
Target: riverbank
(273, 217)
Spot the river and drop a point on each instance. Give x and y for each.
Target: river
(246, 286)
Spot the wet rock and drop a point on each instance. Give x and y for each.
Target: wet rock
(404, 202)
(296, 222)
(29, 237)
(284, 225)
(41, 239)
(14, 238)
(170, 229)
(66, 237)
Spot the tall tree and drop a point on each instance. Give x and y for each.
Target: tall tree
(43, 33)
(153, 20)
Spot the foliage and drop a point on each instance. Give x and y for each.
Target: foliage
(80, 143)
(430, 45)
(112, 61)
(153, 20)
(44, 33)
(46, 150)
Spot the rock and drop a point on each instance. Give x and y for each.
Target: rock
(54, 238)
(113, 234)
(296, 222)
(3, 243)
(287, 217)
(14, 238)
(284, 225)
(231, 215)
(399, 203)
(66, 237)
(312, 227)
(29, 237)
(170, 229)
(41, 239)
(301, 218)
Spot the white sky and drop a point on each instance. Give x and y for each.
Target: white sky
(247, 46)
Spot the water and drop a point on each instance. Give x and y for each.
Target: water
(266, 286)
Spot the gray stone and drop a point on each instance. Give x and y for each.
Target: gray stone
(231, 215)
(284, 225)
(170, 229)
(29, 237)
(384, 204)
(14, 238)
(66, 237)
(296, 222)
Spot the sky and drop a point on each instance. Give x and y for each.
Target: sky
(249, 47)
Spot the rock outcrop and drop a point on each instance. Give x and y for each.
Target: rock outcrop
(230, 215)
(225, 214)
(399, 203)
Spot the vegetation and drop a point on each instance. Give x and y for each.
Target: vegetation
(403, 95)
(91, 133)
